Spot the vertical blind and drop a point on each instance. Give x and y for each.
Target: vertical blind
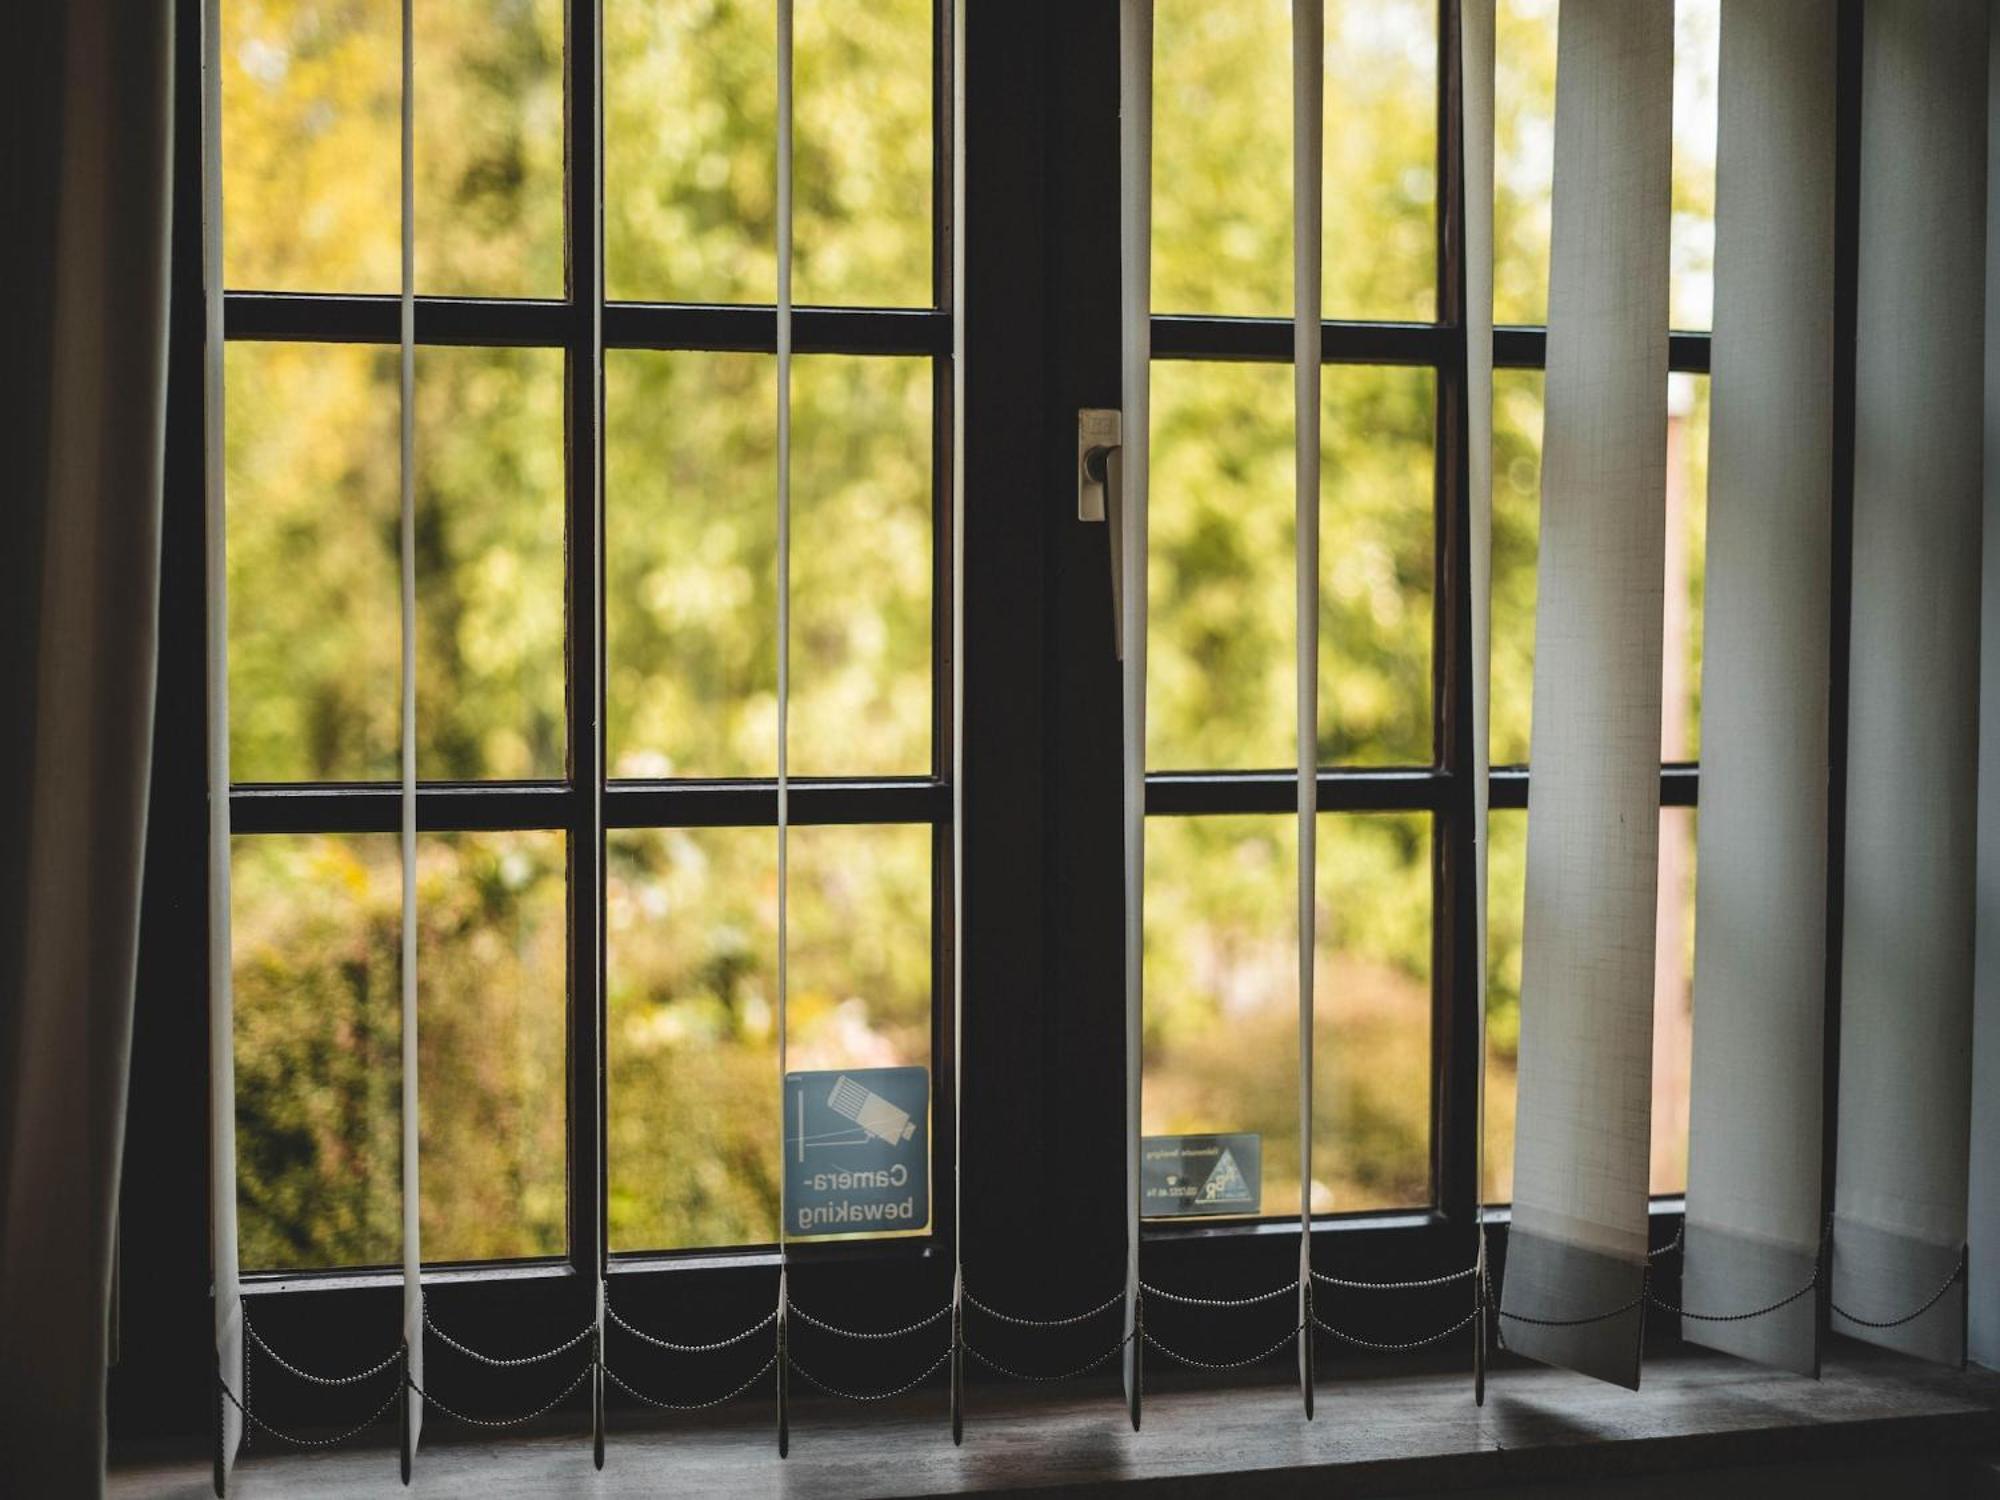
(1912, 735)
(1583, 1124)
(1756, 1237)
(1984, 1204)
(1753, 1230)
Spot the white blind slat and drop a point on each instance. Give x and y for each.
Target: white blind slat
(1308, 116)
(784, 314)
(1983, 1206)
(1583, 1124)
(413, 1291)
(1753, 1215)
(1907, 938)
(1476, 63)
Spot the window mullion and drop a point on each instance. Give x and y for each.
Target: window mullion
(584, 627)
(1455, 990)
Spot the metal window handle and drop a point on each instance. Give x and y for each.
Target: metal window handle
(1100, 497)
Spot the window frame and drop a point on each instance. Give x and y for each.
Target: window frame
(1039, 762)
(1443, 789)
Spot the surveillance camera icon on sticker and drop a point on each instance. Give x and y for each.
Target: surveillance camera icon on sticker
(856, 1151)
(870, 1111)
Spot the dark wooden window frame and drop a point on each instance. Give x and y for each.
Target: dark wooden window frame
(1043, 1043)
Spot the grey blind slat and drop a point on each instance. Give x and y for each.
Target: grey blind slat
(1583, 1126)
(1754, 1156)
(1906, 963)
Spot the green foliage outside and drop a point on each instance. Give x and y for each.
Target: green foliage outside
(311, 183)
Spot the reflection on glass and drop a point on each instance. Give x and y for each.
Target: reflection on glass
(1517, 505)
(312, 99)
(1673, 997)
(1524, 158)
(691, 601)
(314, 622)
(1220, 691)
(691, 154)
(317, 934)
(692, 1008)
(1222, 152)
(1221, 1021)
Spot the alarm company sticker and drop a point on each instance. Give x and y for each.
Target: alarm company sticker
(1201, 1174)
(857, 1151)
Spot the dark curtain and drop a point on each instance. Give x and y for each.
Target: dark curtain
(88, 103)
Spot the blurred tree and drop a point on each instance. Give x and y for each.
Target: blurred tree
(310, 159)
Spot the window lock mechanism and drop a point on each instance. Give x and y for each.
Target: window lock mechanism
(1099, 433)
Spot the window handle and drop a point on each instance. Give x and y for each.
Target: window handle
(1099, 497)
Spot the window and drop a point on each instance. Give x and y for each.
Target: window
(584, 1101)
(508, 443)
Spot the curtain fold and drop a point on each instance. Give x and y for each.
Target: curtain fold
(1583, 1129)
(1754, 1155)
(224, 1248)
(1983, 1201)
(1906, 965)
(88, 183)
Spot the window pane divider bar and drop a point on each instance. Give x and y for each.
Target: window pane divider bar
(1190, 337)
(447, 807)
(1400, 789)
(308, 317)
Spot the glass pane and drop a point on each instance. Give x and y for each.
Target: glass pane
(1517, 501)
(1221, 638)
(1691, 251)
(1372, 1013)
(490, 541)
(1673, 997)
(1379, 178)
(1524, 122)
(312, 99)
(1222, 176)
(313, 632)
(691, 152)
(1517, 520)
(1222, 158)
(692, 1043)
(691, 608)
(1524, 161)
(1222, 999)
(319, 1038)
(490, 147)
(1673, 1000)
(862, 153)
(314, 619)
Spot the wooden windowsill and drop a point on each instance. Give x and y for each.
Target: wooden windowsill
(1875, 1418)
